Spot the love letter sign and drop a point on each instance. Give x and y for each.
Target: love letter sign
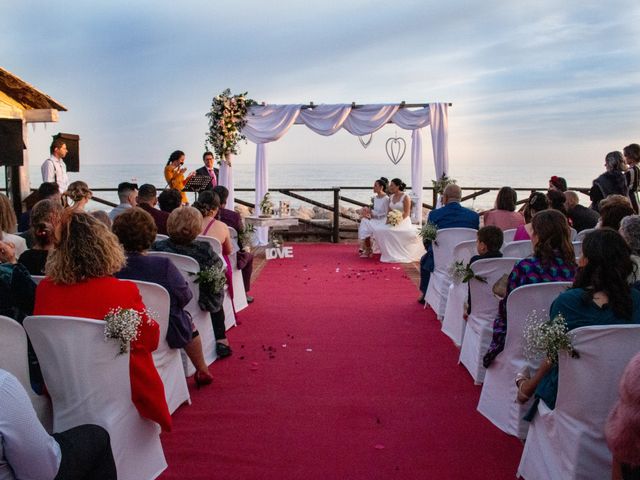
(281, 252)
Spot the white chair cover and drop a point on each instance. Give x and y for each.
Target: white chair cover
(499, 389)
(160, 236)
(13, 359)
(89, 383)
(453, 323)
(227, 304)
(201, 319)
(583, 233)
(37, 278)
(239, 293)
(574, 234)
(167, 360)
(568, 442)
(484, 308)
(508, 235)
(438, 288)
(519, 249)
(577, 248)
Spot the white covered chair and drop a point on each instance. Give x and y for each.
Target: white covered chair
(583, 233)
(239, 293)
(574, 234)
(167, 360)
(201, 319)
(518, 249)
(568, 442)
(499, 389)
(453, 323)
(37, 278)
(13, 359)
(508, 235)
(227, 304)
(484, 308)
(89, 383)
(438, 289)
(160, 236)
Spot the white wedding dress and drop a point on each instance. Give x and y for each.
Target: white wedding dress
(399, 244)
(378, 217)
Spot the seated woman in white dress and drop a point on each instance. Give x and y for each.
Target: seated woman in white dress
(375, 216)
(399, 243)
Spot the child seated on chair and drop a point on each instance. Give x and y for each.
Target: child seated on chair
(489, 243)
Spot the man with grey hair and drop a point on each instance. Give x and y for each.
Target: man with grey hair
(450, 215)
(581, 217)
(630, 231)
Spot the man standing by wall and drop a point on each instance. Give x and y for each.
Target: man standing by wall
(54, 169)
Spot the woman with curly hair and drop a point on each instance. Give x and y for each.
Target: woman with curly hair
(45, 215)
(77, 195)
(600, 295)
(174, 174)
(80, 283)
(137, 230)
(553, 260)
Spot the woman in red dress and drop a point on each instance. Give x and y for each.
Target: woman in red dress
(79, 283)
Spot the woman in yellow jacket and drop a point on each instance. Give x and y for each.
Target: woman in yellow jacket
(174, 174)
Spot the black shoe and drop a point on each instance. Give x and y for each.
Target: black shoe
(223, 350)
(421, 300)
(249, 299)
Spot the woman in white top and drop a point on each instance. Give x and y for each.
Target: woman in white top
(399, 243)
(8, 224)
(373, 216)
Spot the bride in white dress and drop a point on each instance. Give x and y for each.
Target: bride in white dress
(372, 217)
(400, 243)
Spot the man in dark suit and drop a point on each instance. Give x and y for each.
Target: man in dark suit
(233, 219)
(451, 215)
(147, 200)
(580, 216)
(208, 170)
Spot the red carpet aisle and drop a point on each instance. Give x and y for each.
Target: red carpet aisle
(337, 373)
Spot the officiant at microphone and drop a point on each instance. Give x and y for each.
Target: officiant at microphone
(174, 174)
(208, 170)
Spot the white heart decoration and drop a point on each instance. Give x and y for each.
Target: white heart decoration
(395, 148)
(366, 143)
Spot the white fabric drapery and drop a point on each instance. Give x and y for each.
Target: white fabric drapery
(268, 123)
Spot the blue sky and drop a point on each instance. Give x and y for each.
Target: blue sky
(545, 82)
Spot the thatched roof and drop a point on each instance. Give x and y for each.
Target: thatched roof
(27, 95)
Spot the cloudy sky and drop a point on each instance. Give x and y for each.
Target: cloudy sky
(552, 81)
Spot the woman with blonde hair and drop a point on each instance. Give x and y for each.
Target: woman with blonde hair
(183, 226)
(8, 223)
(77, 195)
(80, 283)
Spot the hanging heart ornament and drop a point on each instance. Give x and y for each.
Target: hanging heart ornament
(365, 143)
(395, 147)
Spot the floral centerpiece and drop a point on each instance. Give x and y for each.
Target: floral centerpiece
(122, 324)
(227, 118)
(463, 273)
(428, 232)
(266, 206)
(394, 218)
(544, 337)
(441, 184)
(213, 278)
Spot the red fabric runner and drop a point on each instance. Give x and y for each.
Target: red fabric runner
(337, 373)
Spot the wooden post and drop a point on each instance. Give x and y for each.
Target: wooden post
(335, 235)
(435, 199)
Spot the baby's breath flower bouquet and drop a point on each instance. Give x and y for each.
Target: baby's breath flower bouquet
(213, 278)
(227, 117)
(428, 232)
(394, 218)
(544, 337)
(266, 205)
(462, 273)
(245, 238)
(122, 324)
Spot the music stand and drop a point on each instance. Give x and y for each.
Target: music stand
(197, 183)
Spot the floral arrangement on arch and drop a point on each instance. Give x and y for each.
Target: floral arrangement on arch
(227, 117)
(544, 337)
(394, 218)
(440, 184)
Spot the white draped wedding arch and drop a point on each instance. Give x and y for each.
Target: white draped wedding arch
(268, 123)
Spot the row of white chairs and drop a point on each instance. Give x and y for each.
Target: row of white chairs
(567, 442)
